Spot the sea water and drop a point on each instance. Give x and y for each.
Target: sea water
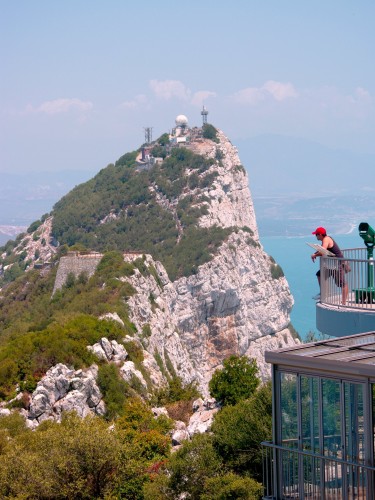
(294, 256)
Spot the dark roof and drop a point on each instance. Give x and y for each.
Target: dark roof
(352, 355)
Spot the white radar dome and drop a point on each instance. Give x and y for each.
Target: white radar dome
(181, 121)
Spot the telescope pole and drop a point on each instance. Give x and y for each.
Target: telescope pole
(370, 265)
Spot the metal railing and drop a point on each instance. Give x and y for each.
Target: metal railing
(348, 282)
(295, 474)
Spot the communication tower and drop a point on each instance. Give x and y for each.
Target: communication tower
(204, 114)
(148, 135)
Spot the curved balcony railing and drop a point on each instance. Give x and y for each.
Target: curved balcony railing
(348, 282)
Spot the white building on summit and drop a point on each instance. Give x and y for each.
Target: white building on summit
(181, 132)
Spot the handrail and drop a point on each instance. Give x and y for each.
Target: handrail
(295, 473)
(330, 458)
(348, 282)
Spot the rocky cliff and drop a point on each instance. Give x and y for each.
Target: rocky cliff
(237, 303)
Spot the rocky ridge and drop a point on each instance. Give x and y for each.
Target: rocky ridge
(234, 304)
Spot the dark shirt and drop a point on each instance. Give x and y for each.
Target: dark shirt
(335, 249)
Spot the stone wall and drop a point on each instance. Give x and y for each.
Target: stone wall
(76, 263)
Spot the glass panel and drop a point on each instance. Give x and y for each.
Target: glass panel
(310, 413)
(288, 410)
(331, 418)
(354, 434)
(310, 435)
(354, 422)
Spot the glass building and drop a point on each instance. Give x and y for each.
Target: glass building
(323, 421)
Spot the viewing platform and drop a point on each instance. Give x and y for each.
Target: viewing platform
(338, 314)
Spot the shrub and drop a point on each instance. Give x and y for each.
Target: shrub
(113, 388)
(237, 380)
(78, 458)
(276, 271)
(239, 430)
(26, 358)
(210, 132)
(34, 226)
(191, 465)
(135, 351)
(231, 485)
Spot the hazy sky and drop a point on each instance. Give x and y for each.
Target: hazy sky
(81, 79)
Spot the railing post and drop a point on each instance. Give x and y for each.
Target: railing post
(370, 272)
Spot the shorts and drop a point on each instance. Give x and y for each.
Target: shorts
(337, 274)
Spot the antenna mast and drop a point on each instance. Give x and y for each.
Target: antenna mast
(204, 114)
(148, 135)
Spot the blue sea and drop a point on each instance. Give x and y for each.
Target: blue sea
(293, 255)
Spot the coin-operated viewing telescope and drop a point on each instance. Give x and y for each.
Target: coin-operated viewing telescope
(367, 233)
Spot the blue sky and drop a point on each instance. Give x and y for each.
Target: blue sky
(81, 79)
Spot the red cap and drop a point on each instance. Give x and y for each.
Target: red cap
(319, 230)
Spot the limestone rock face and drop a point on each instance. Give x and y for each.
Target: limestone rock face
(230, 199)
(237, 304)
(63, 389)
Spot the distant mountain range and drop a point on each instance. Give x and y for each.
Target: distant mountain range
(295, 184)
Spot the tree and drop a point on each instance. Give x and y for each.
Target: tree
(191, 465)
(75, 459)
(237, 380)
(239, 430)
(230, 486)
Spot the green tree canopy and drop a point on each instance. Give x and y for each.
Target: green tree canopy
(237, 380)
(239, 430)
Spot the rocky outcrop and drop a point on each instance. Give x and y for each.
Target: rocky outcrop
(109, 350)
(63, 389)
(200, 422)
(232, 305)
(37, 246)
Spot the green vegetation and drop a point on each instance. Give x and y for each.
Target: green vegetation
(38, 331)
(239, 429)
(34, 226)
(25, 359)
(130, 196)
(276, 270)
(237, 380)
(125, 455)
(210, 132)
(81, 458)
(227, 463)
(114, 390)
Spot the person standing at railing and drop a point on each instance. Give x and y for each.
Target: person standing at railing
(338, 274)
